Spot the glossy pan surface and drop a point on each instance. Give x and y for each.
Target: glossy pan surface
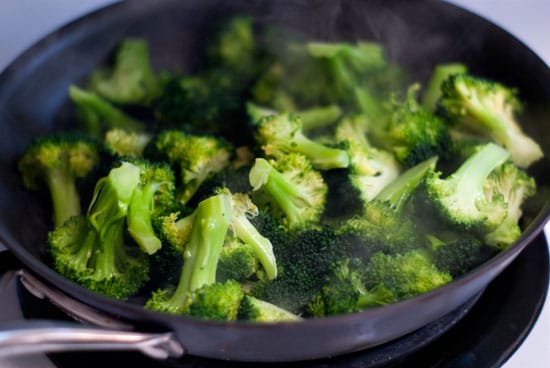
(418, 35)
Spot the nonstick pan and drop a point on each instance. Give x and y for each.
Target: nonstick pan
(416, 34)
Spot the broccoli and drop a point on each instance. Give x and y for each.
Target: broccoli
(201, 253)
(91, 249)
(256, 310)
(154, 193)
(405, 275)
(98, 115)
(282, 134)
(385, 226)
(515, 185)
(441, 72)
(459, 198)
(195, 157)
(217, 301)
(122, 143)
(411, 132)
(237, 261)
(56, 162)
(290, 188)
(131, 79)
(488, 109)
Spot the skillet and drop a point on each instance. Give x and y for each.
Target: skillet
(418, 35)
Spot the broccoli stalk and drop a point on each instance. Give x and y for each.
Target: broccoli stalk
(57, 162)
(440, 73)
(282, 134)
(256, 310)
(488, 109)
(211, 221)
(460, 198)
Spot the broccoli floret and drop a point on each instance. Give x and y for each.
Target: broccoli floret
(411, 132)
(405, 275)
(256, 310)
(489, 109)
(92, 251)
(201, 254)
(282, 134)
(290, 188)
(98, 115)
(515, 185)
(124, 143)
(56, 162)
(196, 158)
(237, 261)
(459, 198)
(217, 301)
(370, 169)
(154, 193)
(131, 79)
(384, 225)
(441, 72)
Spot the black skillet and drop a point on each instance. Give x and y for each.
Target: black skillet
(416, 34)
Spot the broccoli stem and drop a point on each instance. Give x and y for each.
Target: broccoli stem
(110, 241)
(65, 197)
(139, 219)
(440, 73)
(321, 157)
(319, 117)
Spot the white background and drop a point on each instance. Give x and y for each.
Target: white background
(22, 22)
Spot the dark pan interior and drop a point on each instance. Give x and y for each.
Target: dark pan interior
(418, 35)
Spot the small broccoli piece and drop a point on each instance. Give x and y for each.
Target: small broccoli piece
(154, 193)
(459, 199)
(201, 254)
(256, 310)
(124, 143)
(370, 169)
(515, 186)
(405, 275)
(384, 226)
(217, 301)
(131, 79)
(282, 134)
(412, 132)
(98, 115)
(237, 261)
(441, 72)
(458, 254)
(488, 108)
(56, 162)
(196, 158)
(92, 251)
(292, 190)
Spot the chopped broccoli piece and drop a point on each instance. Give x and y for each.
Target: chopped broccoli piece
(440, 73)
(256, 310)
(488, 108)
(293, 190)
(55, 162)
(123, 143)
(217, 301)
(237, 261)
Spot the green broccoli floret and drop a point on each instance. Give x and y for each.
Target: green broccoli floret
(131, 79)
(370, 169)
(201, 254)
(282, 134)
(154, 193)
(488, 109)
(217, 301)
(98, 115)
(124, 143)
(92, 251)
(196, 158)
(237, 261)
(411, 132)
(459, 198)
(384, 225)
(290, 188)
(405, 275)
(515, 186)
(441, 72)
(56, 162)
(256, 310)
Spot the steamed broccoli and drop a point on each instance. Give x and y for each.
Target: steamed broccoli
(92, 251)
(290, 189)
(216, 301)
(56, 162)
(488, 109)
(237, 261)
(441, 72)
(256, 310)
(122, 143)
